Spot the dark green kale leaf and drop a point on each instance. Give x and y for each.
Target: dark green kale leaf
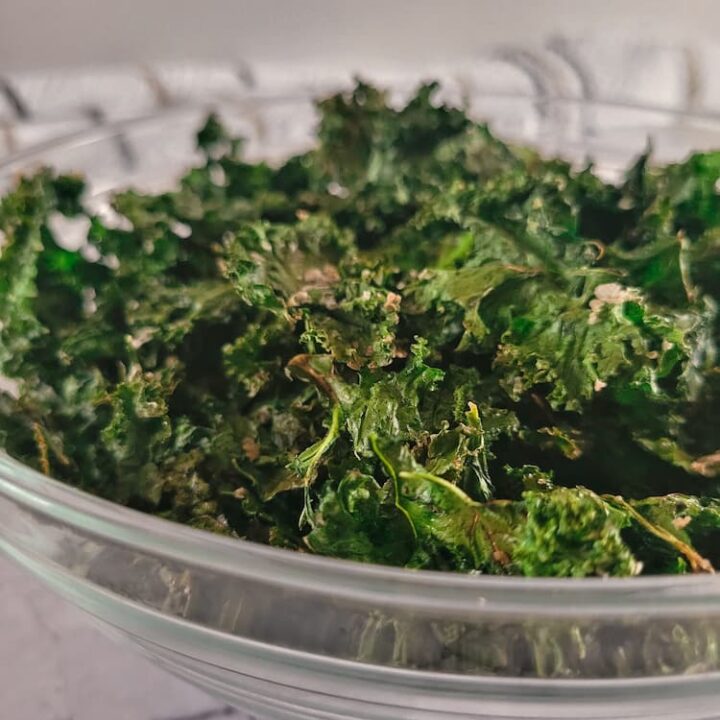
(387, 405)
(358, 521)
(453, 530)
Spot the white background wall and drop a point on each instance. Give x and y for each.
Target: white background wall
(37, 33)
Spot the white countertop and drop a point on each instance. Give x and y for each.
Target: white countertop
(56, 665)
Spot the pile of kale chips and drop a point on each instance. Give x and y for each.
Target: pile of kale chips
(412, 345)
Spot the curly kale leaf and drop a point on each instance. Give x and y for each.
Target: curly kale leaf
(357, 326)
(571, 532)
(452, 529)
(24, 249)
(461, 453)
(358, 521)
(277, 267)
(387, 405)
(580, 346)
(139, 432)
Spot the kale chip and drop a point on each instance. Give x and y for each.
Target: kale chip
(413, 345)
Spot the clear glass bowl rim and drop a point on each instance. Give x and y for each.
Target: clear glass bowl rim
(454, 592)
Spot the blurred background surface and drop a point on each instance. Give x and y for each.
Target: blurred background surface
(42, 33)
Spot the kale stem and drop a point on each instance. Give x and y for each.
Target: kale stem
(698, 563)
(395, 482)
(317, 452)
(42, 447)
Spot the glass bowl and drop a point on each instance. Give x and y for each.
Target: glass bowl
(290, 636)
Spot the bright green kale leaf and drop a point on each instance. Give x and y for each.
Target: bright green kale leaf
(571, 532)
(139, 432)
